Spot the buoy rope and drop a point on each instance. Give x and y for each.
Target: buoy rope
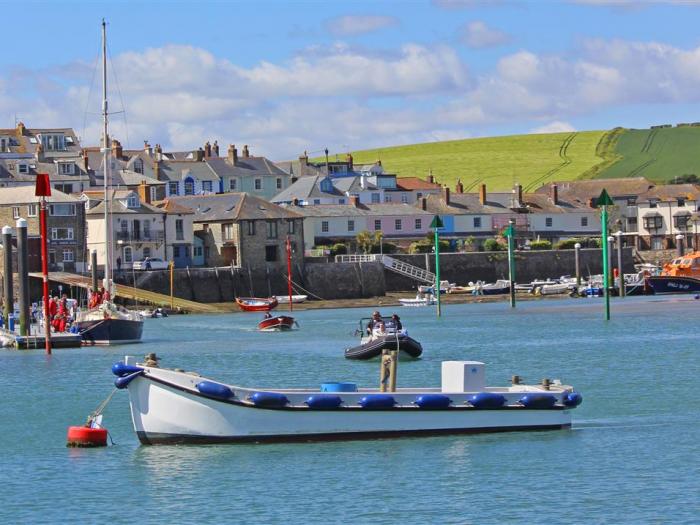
(101, 407)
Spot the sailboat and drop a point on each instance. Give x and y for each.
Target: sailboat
(107, 323)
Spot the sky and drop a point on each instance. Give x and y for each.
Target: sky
(295, 76)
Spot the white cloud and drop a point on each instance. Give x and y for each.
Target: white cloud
(349, 25)
(554, 127)
(478, 35)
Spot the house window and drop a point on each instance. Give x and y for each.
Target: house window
(290, 226)
(317, 201)
(631, 201)
(154, 193)
(251, 227)
(15, 212)
(341, 201)
(61, 234)
(351, 226)
(324, 226)
(197, 252)
(584, 221)
(652, 204)
(377, 224)
(53, 142)
(681, 201)
(138, 166)
(279, 183)
(68, 256)
(419, 224)
(65, 188)
(477, 222)
(258, 184)
(132, 201)
(32, 210)
(632, 223)
(657, 243)
(128, 254)
(681, 221)
(232, 184)
(548, 222)
(179, 230)
(189, 187)
(173, 188)
(419, 195)
(387, 198)
(227, 231)
(207, 186)
(653, 223)
(271, 229)
(146, 252)
(176, 252)
(65, 168)
(397, 224)
(270, 253)
(62, 210)
(404, 198)
(22, 168)
(375, 198)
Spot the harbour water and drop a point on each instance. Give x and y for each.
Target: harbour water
(631, 456)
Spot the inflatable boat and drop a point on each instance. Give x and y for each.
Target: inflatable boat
(385, 335)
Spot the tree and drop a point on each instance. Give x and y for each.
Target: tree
(365, 241)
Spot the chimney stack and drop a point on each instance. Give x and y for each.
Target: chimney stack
(207, 150)
(21, 129)
(519, 193)
(156, 169)
(423, 203)
(482, 194)
(159, 153)
(199, 155)
(446, 195)
(116, 149)
(232, 155)
(354, 200)
(147, 148)
(430, 178)
(86, 161)
(554, 194)
(246, 153)
(144, 192)
(215, 149)
(39, 153)
(348, 159)
(460, 187)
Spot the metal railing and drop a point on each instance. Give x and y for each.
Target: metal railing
(371, 257)
(409, 270)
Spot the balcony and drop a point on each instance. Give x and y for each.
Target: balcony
(150, 236)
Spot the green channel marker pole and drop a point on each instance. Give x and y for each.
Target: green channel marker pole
(510, 234)
(436, 224)
(604, 200)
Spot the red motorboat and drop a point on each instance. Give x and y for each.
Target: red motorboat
(275, 324)
(256, 304)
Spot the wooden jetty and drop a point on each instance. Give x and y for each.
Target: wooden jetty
(38, 341)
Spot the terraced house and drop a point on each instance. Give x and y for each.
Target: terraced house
(66, 226)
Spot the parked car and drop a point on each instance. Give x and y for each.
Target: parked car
(151, 263)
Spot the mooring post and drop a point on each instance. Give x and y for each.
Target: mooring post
(577, 262)
(93, 270)
(436, 225)
(620, 273)
(393, 369)
(679, 245)
(604, 201)
(9, 295)
(510, 234)
(23, 271)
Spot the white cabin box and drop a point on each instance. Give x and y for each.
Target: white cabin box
(463, 376)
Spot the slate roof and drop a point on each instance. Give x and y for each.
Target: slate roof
(177, 170)
(245, 166)
(117, 206)
(23, 143)
(232, 206)
(170, 206)
(469, 203)
(415, 183)
(672, 192)
(25, 195)
(584, 190)
(348, 210)
(306, 188)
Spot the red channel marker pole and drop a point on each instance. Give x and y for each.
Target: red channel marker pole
(43, 190)
(289, 272)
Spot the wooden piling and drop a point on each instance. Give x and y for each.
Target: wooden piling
(7, 245)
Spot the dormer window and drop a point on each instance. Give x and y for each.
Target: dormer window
(138, 166)
(53, 142)
(66, 168)
(327, 185)
(22, 168)
(132, 201)
(652, 203)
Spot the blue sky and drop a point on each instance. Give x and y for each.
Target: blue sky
(284, 77)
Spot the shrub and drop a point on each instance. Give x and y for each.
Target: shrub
(427, 247)
(387, 247)
(492, 245)
(339, 249)
(541, 245)
(586, 242)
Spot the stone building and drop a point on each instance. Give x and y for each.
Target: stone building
(241, 230)
(66, 226)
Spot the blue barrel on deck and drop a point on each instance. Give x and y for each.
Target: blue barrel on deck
(269, 399)
(432, 401)
(338, 387)
(377, 401)
(538, 401)
(215, 390)
(573, 399)
(323, 402)
(487, 400)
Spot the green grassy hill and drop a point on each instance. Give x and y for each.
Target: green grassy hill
(533, 160)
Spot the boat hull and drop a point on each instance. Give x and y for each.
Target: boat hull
(406, 345)
(110, 331)
(167, 413)
(276, 324)
(252, 304)
(674, 284)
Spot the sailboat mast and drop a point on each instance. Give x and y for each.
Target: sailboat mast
(105, 159)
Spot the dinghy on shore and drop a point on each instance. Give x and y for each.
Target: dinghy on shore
(170, 406)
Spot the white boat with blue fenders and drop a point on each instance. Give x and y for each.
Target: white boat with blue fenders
(172, 406)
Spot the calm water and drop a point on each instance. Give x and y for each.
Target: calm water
(631, 457)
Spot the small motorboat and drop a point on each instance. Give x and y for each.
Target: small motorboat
(171, 406)
(284, 299)
(498, 288)
(154, 314)
(383, 336)
(445, 287)
(420, 300)
(256, 304)
(277, 324)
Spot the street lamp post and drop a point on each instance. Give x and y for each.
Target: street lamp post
(679, 245)
(621, 275)
(577, 262)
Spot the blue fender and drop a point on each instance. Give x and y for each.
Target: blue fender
(433, 401)
(120, 369)
(215, 390)
(538, 401)
(123, 381)
(323, 402)
(487, 400)
(375, 401)
(573, 399)
(269, 399)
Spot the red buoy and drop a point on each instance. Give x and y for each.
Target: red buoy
(86, 437)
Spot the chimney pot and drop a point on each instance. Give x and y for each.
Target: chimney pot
(554, 194)
(430, 178)
(460, 187)
(349, 160)
(215, 149)
(246, 152)
(147, 148)
(482, 194)
(519, 193)
(207, 150)
(446, 195)
(116, 149)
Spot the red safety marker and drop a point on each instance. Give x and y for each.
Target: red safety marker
(84, 437)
